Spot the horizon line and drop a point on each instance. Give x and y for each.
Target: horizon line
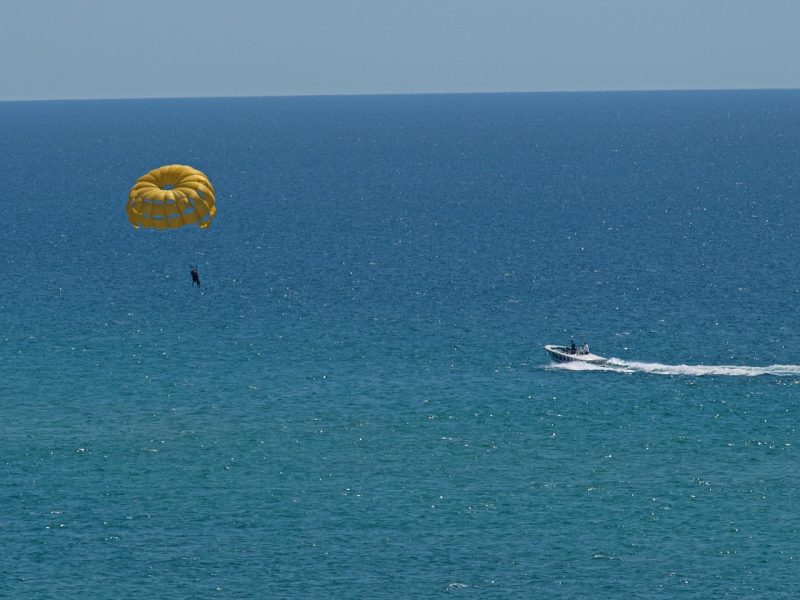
(408, 93)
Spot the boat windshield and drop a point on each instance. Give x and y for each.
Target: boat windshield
(578, 350)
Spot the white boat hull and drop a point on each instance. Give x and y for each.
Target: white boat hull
(563, 354)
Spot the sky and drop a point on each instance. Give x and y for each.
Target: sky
(78, 49)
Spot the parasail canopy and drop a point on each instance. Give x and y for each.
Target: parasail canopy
(171, 196)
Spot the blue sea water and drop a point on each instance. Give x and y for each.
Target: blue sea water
(356, 402)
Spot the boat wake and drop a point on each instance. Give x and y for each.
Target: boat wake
(624, 366)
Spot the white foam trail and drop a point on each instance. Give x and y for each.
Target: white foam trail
(582, 366)
(699, 370)
(624, 366)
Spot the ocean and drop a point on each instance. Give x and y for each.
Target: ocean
(357, 403)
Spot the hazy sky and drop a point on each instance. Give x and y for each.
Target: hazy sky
(155, 48)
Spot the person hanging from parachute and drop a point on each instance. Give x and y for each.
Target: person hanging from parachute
(195, 276)
(170, 197)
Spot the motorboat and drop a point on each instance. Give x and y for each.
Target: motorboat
(573, 354)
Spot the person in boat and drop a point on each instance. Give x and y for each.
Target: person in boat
(195, 277)
(572, 348)
(585, 348)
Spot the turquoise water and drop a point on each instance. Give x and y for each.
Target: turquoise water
(356, 402)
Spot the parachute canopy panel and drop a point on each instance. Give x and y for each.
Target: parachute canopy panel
(171, 196)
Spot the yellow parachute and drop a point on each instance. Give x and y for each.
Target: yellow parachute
(171, 196)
